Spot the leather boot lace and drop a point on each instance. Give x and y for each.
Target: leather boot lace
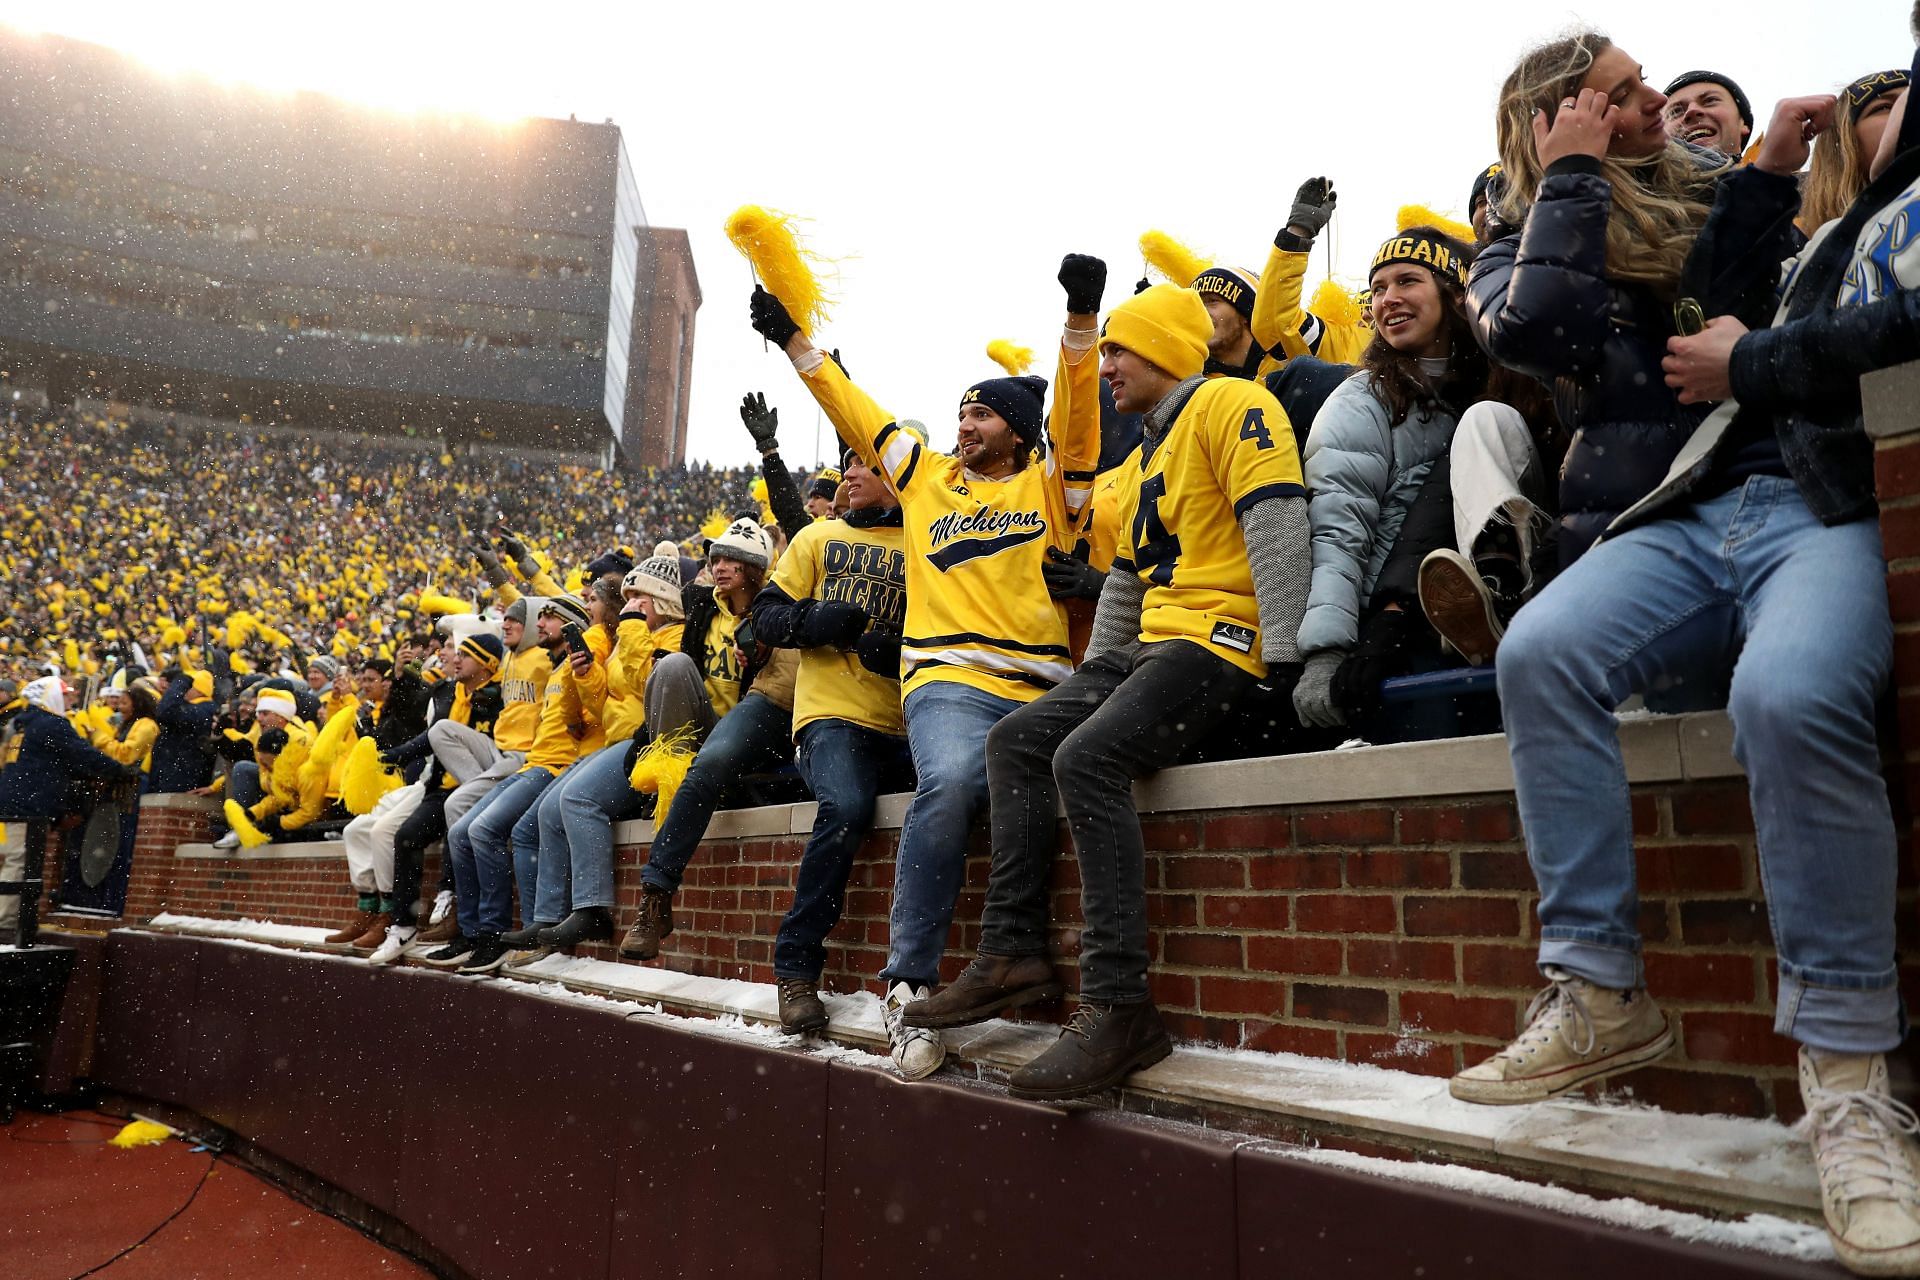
(1856, 1139)
(1085, 1020)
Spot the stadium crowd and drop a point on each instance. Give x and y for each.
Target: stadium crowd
(1611, 431)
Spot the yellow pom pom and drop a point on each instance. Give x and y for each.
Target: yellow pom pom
(715, 525)
(334, 737)
(1419, 215)
(1336, 304)
(435, 604)
(71, 652)
(251, 837)
(759, 490)
(1015, 360)
(173, 637)
(1172, 259)
(788, 269)
(662, 767)
(364, 780)
(141, 1133)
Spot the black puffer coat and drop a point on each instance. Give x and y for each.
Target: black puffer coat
(1541, 303)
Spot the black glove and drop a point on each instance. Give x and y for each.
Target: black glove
(879, 651)
(831, 622)
(1085, 279)
(390, 758)
(174, 672)
(1312, 209)
(269, 826)
(522, 558)
(1142, 285)
(763, 424)
(1071, 578)
(842, 364)
(490, 565)
(1380, 654)
(770, 318)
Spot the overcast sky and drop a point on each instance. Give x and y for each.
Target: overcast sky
(948, 155)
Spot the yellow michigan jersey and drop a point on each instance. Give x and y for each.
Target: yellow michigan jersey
(833, 560)
(1284, 327)
(978, 611)
(1230, 448)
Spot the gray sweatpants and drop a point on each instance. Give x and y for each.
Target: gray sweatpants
(473, 760)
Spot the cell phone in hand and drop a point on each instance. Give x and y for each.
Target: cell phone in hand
(575, 637)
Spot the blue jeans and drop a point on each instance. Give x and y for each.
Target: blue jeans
(576, 832)
(756, 735)
(1750, 572)
(477, 847)
(847, 767)
(947, 724)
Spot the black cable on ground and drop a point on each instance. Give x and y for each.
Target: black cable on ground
(213, 1158)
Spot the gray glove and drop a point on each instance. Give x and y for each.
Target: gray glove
(1313, 697)
(1312, 207)
(490, 565)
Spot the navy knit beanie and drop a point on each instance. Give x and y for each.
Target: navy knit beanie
(1021, 401)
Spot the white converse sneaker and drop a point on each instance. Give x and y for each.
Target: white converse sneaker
(1869, 1174)
(917, 1051)
(442, 904)
(231, 840)
(1576, 1033)
(398, 942)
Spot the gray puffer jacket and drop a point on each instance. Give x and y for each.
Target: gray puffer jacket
(1362, 475)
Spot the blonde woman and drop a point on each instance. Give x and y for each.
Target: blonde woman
(1842, 153)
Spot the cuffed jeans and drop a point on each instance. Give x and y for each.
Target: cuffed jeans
(756, 735)
(947, 725)
(1126, 713)
(848, 767)
(477, 847)
(1750, 572)
(576, 833)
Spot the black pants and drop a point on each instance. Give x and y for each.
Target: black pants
(1123, 715)
(427, 823)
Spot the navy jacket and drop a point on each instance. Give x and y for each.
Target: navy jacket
(183, 753)
(45, 755)
(1541, 303)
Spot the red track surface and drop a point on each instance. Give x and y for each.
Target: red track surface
(70, 1202)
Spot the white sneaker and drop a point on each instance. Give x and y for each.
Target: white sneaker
(231, 840)
(917, 1051)
(1576, 1033)
(1869, 1175)
(398, 942)
(442, 903)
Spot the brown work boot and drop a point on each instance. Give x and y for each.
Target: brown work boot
(438, 935)
(987, 986)
(351, 930)
(654, 922)
(1101, 1045)
(376, 932)
(802, 1012)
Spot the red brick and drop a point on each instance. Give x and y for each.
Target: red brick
(1457, 824)
(1691, 868)
(1243, 911)
(1250, 831)
(1900, 531)
(1441, 1013)
(1345, 913)
(1896, 470)
(1263, 997)
(1903, 595)
(1295, 871)
(1173, 911)
(1201, 872)
(1171, 833)
(1415, 961)
(1345, 826)
(1744, 1038)
(1173, 990)
(1288, 953)
(1646, 814)
(1187, 1026)
(1204, 950)
(1461, 917)
(1399, 869)
(1495, 869)
(1709, 810)
(1312, 1042)
(1355, 1006)
(1509, 967)
(1713, 979)
(1401, 1053)
(1723, 923)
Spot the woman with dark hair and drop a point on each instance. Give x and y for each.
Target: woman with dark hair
(1372, 447)
(134, 728)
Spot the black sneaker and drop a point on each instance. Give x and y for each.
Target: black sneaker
(525, 939)
(488, 955)
(451, 956)
(589, 924)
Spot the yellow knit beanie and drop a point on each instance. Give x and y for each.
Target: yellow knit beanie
(1166, 325)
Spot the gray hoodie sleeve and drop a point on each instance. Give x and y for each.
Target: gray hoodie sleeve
(1280, 553)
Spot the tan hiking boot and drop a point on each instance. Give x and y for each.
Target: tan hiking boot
(654, 923)
(438, 935)
(987, 986)
(1869, 1174)
(376, 932)
(350, 932)
(1576, 1033)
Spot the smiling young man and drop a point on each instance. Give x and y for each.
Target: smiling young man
(1204, 602)
(1709, 110)
(982, 635)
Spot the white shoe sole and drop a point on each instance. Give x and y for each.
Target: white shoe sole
(1506, 1093)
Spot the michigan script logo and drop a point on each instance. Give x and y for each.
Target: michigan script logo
(959, 538)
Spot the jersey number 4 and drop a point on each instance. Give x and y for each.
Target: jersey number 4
(1155, 550)
(1254, 427)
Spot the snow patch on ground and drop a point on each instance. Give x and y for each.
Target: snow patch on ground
(259, 930)
(1762, 1233)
